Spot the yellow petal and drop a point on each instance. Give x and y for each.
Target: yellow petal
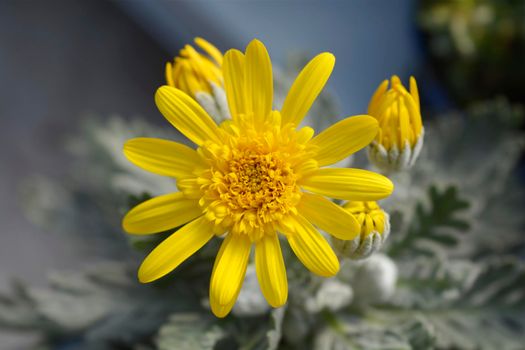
(404, 123)
(416, 116)
(350, 184)
(344, 138)
(259, 80)
(310, 247)
(233, 70)
(229, 269)
(169, 74)
(414, 91)
(376, 98)
(307, 87)
(175, 249)
(394, 80)
(223, 310)
(328, 216)
(271, 271)
(162, 157)
(210, 50)
(161, 213)
(218, 309)
(186, 115)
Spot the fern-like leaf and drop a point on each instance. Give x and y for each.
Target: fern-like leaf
(439, 224)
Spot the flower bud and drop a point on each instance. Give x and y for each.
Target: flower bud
(374, 280)
(400, 137)
(375, 228)
(200, 76)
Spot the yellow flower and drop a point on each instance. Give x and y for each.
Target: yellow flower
(200, 76)
(400, 138)
(248, 179)
(375, 228)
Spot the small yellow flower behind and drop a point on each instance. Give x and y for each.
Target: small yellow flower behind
(252, 177)
(400, 138)
(375, 228)
(200, 76)
(194, 72)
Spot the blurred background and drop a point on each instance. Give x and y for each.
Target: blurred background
(64, 61)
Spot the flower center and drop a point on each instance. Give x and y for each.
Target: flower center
(262, 182)
(249, 189)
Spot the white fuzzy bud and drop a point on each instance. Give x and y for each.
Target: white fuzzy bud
(374, 280)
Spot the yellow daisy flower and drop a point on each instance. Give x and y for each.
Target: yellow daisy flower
(252, 177)
(200, 76)
(194, 72)
(400, 138)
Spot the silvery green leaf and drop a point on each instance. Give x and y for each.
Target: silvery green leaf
(17, 309)
(65, 310)
(274, 333)
(88, 203)
(348, 335)
(105, 304)
(466, 305)
(343, 332)
(476, 151)
(419, 332)
(101, 146)
(188, 332)
(438, 224)
(298, 324)
(333, 294)
(256, 332)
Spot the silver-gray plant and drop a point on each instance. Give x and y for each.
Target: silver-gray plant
(451, 275)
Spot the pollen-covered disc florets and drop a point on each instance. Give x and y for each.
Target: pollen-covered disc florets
(401, 133)
(251, 183)
(375, 228)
